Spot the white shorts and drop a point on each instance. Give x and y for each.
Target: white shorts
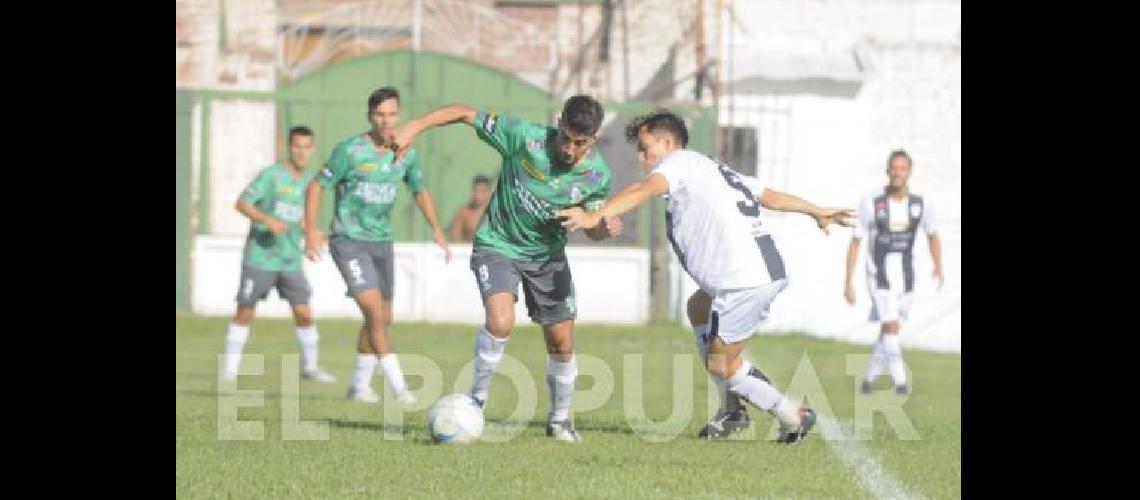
(892, 304)
(737, 313)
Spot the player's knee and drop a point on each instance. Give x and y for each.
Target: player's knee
(698, 307)
(500, 324)
(303, 318)
(718, 366)
(891, 327)
(244, 315)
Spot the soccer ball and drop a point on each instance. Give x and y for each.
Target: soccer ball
(455, 418)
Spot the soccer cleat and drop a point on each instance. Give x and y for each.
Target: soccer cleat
(866, 387)
(364, 395)
(902, 389)
(319, 375)
(561, 430)
(790, 436)
(724, 424)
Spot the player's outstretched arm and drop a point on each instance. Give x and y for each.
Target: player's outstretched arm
(427, 206)
(610, 227)
(784, 202)
(249, 210)
(445, 115)
(630, 197)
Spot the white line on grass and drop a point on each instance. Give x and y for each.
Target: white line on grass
(878, 481)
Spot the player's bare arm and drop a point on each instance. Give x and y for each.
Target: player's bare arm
(936, 255)
(453, 113)
(427, 206)
(852, 259)
(314, 237)
(630, 197)
(784, 202)
(249, 210)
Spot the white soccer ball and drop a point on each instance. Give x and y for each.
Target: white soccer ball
(455, 418)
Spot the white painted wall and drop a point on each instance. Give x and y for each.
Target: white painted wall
(611, 284)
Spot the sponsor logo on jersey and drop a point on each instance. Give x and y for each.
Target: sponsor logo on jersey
(532, 170)
(284, 190)
(575, 195)
(367, 168)
(534, 145)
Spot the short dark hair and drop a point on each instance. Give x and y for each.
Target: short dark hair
(583, 114)
(382, 94)
(299, 130)
(659, 120)
(900, 153)
(481, 179)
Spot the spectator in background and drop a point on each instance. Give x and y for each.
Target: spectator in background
(466, 219)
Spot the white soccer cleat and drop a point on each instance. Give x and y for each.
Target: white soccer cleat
(562, 430)
(365, 395)
(319, 375)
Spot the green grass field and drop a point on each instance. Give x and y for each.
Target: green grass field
(362, 457)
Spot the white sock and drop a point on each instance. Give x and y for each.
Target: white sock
(560, 376)
(878, 361)
(362, 377)
(488, 353)
(391, 368)
(236, 336)
(893, 350)
(728, 403)
(309, 339)
(763, 396)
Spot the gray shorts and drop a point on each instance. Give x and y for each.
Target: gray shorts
(364, 265)
(547, 285)
(255, 285)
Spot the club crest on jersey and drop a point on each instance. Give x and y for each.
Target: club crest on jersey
(575, 195)
(532, 170)
(915, 210)
(592, 175)
(326, 173)
(489, 124)
(535, 145)
(881, 209)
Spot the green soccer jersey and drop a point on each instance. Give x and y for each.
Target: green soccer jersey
(519, 221)
(276, 192)
(366, 186)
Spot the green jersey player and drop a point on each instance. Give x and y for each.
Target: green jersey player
(274, 203)
(366, 175)
(519, 240)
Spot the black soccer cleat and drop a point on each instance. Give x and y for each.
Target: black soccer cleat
(724, 424)
(807, 421)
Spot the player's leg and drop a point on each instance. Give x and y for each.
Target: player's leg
(892, 346)
(356, 267)
(549, 291)
(886, 354)
(732, 415)
(294, 288)
(254, 286)
(376, 304)
(734, 318)
(498, 281)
